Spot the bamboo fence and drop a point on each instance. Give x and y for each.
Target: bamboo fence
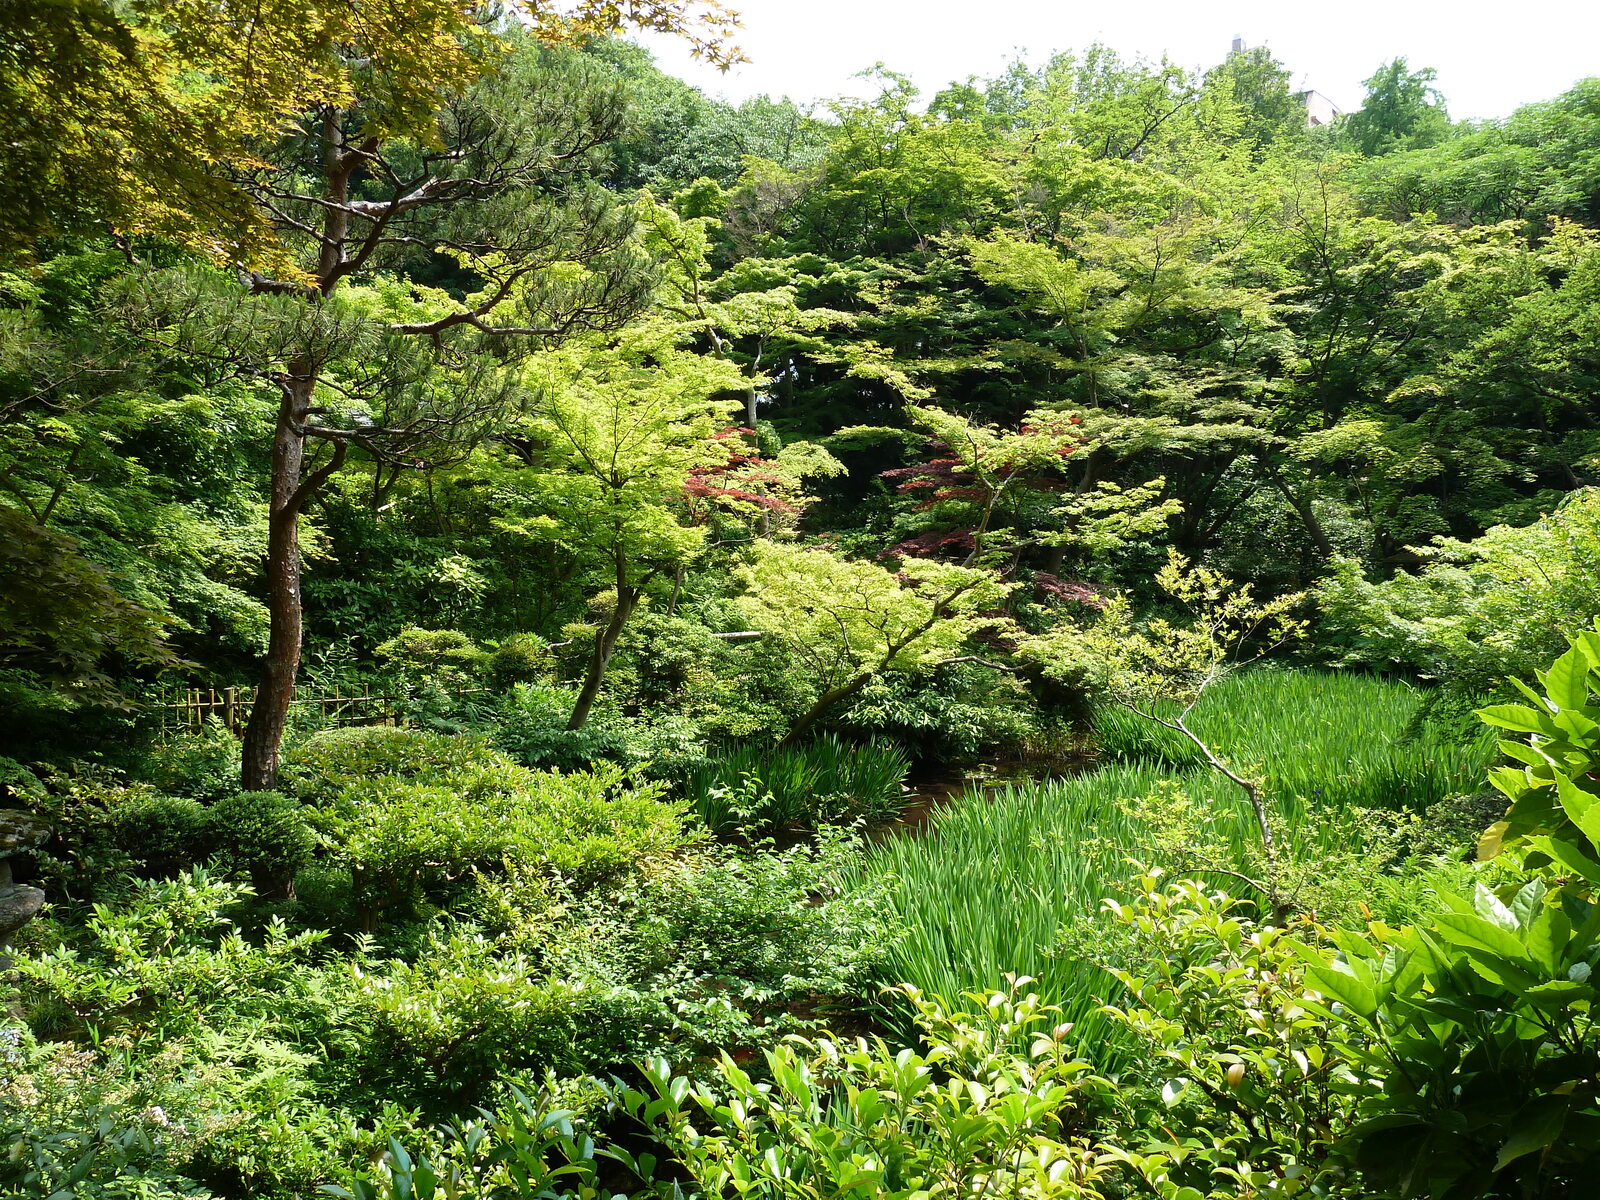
(192, 707)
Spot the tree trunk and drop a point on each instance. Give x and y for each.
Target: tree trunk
(263, 734)
(604, 645)
(1308, 516)
(268, 715)
(823, 703)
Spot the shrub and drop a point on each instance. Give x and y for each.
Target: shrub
(462, 1012)
(202, 765)
(722, 926)
(532, 727)
(409, 812)
(328, 761)
(1503, 604)
(521, 658)
(445, 655)
(161, 835)
(993, 1106)
(159, 960)
(264, 834)
(433, 672)
(1234, 1085)
(953, 715)
(1470, 1037)
(19, 785)
(194, 1056)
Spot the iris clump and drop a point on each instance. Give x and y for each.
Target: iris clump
(1011, 881)
(756, 789)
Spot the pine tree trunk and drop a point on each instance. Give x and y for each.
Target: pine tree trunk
(270, 713)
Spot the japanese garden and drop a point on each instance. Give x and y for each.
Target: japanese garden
(565, 636)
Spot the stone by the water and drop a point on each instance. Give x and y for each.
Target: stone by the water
(19, 904)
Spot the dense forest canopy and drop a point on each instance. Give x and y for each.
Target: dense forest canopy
(505, 560)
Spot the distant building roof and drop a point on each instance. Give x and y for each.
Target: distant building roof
(1319, 109)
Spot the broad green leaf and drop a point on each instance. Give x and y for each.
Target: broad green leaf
(1461, 929)
(1559, 993)
(1580, 806)
(1535, 1127)
(1568, 855)
(1488, 906)
(1523, 752)
(1548, 936)
(1492, 840)
(1337, 983)
(1567, 680)
(1518, 717)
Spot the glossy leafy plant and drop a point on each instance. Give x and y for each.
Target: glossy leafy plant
(973, 1114)
(1480, 1047)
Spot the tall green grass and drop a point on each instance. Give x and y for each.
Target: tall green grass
(989, 888)
(826, 781)
(1336, 739)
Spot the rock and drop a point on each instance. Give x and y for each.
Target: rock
(18, 905)
(21, 831)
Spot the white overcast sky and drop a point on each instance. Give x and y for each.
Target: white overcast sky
(1489, 58)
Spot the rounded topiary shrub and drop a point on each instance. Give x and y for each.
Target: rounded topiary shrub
(264, 834)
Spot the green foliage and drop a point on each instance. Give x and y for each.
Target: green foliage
(1129, 312)
(265, 835)
(192, 1057)
(532, 727)
(988, 888)
(1472, 1033)
(1503, 603)
(822, 782)
(333, 759)
(718, 948)
(995, 1101)
(149, 965)
(1355, 739)
(972, 1112)
(203, 765)
(64, 621)
(1011, 879)
(1253, 1098)
(1551, 794)
(1401, 112)
(73, 1125)
(444, 654)
(1477, 1032)
(161, 834)
(521, 658)
(1538, 162)
(526, 1146)
(951, 715)
(410, 814)
(435, 673)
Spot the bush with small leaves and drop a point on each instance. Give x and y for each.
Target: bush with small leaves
(264, 834)
(161, 835)
(1243, 1089)
(413, 814)
(993, 1106)
(521, 658)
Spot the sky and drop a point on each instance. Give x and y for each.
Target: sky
(1487, 66)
